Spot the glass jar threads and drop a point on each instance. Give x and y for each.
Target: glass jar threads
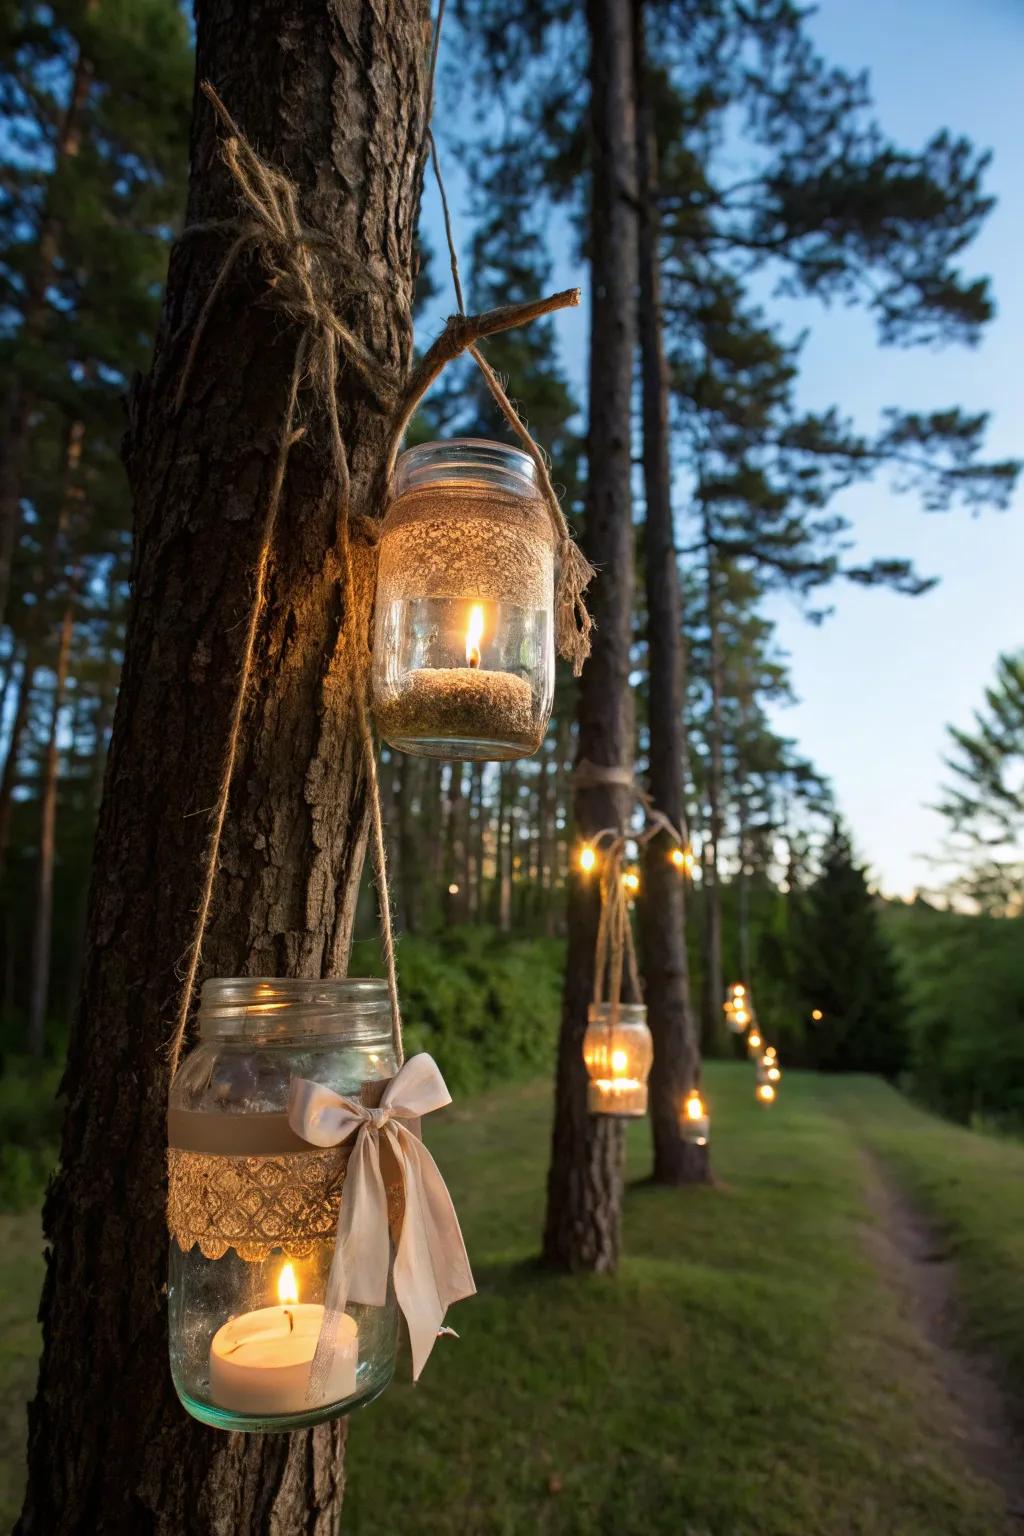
(463, 651)
(618, 1052)
(253, 1208)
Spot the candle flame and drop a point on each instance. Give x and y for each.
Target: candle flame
(695, 1106)
(287, 1286)
(474, 634)
(620, 1061)
(588, 858)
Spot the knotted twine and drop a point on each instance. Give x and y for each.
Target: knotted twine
(300, 288)
(615, 951)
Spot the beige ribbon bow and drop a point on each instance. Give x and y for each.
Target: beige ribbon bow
(431, 1267)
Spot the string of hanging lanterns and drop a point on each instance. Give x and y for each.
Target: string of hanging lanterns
(618, 1047)
(742, 1019)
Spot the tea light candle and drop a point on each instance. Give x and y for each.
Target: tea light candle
(260, 1362)
(471, 702)
(468, 702)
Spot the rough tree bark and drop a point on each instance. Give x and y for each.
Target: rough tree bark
(662, 906)
(334, 91)
(585, 1175)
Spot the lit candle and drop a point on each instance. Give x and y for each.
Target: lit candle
(474, 635)
(463, 704)
(696, 1121)
(260, 1362)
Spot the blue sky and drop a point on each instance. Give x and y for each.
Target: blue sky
(878, 682)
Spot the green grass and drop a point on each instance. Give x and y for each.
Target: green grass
(747, 1373)
(972, 1187)
(21, 1275)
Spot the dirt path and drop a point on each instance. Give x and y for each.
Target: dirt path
(912, 1259)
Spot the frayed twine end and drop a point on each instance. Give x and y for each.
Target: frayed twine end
(573, 624)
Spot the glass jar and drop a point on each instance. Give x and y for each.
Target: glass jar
(618, 1053)
(253, 1209)
(463, 651)
(695, 1122)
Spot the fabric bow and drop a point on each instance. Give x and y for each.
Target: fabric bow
(431, 1267)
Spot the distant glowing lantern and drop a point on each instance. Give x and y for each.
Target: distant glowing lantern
(817, 1015)
(453, 889)
(683, 859)
(765, 1093)
(695, 1124)
(588, 858)
(770, 1053)
(618, 1053)
(739, 1010)
(754, 1041)
(631, 881)
(773, 1074)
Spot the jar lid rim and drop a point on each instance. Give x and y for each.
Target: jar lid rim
(480, 452)
(272, 1003)
(629, 1013)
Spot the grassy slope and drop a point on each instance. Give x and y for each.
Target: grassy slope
(972, 1187)
(744, 1374)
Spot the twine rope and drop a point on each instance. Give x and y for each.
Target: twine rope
(303, 266)
(300, 286)
(573, 624)
(615, 951)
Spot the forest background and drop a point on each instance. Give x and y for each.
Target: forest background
(822, 662)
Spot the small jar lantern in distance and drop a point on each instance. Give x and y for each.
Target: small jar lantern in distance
(695, 1122)
(463, 651)
(253, 1209)
(618, 1053)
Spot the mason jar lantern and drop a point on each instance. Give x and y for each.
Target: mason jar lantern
(253, 1209)
(618, 1052)
(463, 651)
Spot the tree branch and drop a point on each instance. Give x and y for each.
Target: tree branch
(460, 333)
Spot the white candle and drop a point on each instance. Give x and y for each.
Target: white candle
(260, 1362)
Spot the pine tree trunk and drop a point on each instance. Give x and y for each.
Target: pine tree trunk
(43, 925)
(18, 406)
(713, 983)
(507, 834)
(456, 897)
(743, 921)
(12, 758)
(410, 859)
(335, 92)
(585, 1175)
(663, 904)
(104, 717)
(476, 843)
